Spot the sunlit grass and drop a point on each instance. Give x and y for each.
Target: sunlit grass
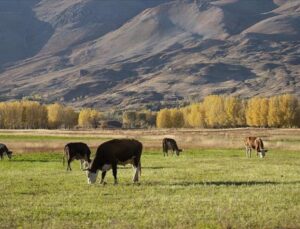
(209, 188)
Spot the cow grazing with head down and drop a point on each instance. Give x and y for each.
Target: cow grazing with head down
(4, 150)
(116, 152)
(76, 151)
(255, 143)
(170, 144)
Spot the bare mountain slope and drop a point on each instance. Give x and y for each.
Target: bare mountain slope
(125, 53)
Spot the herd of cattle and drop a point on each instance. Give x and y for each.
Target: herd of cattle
(116, 152)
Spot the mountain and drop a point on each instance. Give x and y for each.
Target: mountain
(135, 53)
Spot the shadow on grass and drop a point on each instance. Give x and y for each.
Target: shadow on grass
(36, 160)
(221, 183)
(144, 168)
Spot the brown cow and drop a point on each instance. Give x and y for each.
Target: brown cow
(255, 143)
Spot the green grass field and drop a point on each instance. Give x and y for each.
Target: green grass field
(213, 188)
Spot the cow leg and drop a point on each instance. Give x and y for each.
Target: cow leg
(136, 166)
(69, 165)
(114, 170)
(248, 152)
(136, 174)
(81, 162)
(102, 177)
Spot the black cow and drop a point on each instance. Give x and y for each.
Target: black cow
(116, 152)
(4, 150)
(170, 144)
(76, 150)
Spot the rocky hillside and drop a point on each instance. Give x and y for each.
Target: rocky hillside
(131, 53)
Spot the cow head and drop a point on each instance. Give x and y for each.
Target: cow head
(262, 153)
(178, 152)
(91, 177)
(9, 154)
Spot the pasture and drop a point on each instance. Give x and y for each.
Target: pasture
(211, 184)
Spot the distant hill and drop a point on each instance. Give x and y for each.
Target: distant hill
(132, 53)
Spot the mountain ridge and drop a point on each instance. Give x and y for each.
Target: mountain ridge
(152, 51)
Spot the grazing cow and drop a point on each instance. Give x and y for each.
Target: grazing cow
(255, 143)
(170, 144)
(76, 150)
(4, 150)
(116, 152)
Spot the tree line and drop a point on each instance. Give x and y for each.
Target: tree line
(219, 111)
(27, 114)
(215, 111)
(33, 115)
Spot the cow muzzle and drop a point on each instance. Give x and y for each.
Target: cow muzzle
(9, 154)
(262, 153)
(91, 177)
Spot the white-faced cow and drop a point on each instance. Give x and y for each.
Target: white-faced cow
(116, 152)
(76, 151)
(256, 144)
(4, 150)
(170, 144)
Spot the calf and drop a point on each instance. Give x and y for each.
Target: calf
(116, 152)
(76, 150)
(170, 144)
(4, 150)
(255, 143)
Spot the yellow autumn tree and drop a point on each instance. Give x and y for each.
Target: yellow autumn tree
(215, 111)
(177, 120)
(274, 113)
(262, 112)
(70, 117)
(288, 105)
(235, 112)
(34, 115)
(252, 112)
(12, 115)
(89, 118)
(186, 111)
(55, 115)
(163, 119)
(95, 117)
(197, 115)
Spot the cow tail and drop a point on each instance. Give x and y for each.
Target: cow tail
(63, 160)
(140, 164)
(64, 155)
(140, 168)
(262, 144)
